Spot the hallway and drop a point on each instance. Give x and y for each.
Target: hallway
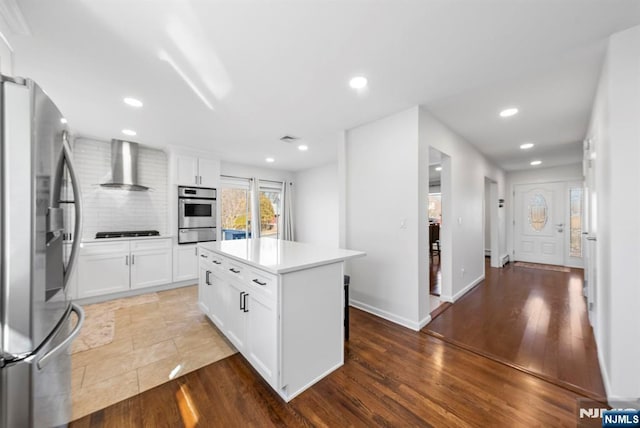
(531, 319)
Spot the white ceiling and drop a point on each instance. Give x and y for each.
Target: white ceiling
(270, 68)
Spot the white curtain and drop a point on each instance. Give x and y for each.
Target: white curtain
(287, 211)
(255, 208)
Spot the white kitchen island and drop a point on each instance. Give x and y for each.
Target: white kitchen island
(280, 303)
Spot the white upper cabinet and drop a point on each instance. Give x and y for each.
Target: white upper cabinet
(197, 171)
(188, 170)
(209, 171)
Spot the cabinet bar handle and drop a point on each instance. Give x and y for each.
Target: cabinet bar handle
(133, 259)
(234, 270)
(241, 300)
(217, 262)
(126, 260)
(196, 252)
(204, 256)
(245, 309)
(206, 278)
(196, 179)
(257, 281)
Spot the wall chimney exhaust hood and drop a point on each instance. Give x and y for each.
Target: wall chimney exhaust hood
(124, 166)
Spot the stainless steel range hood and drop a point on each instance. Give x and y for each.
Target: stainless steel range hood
(124, 166)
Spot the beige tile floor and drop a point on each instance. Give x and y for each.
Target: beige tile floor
(153, 342)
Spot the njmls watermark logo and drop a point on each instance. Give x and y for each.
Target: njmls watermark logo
(618, 413)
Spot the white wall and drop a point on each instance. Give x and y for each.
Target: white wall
(387, 183)
(534, 175)
(316, 205)
(468, 169)
(615, 131)
(115, 209)
(382, 216)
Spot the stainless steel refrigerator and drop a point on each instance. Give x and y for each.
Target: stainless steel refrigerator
(39, 195)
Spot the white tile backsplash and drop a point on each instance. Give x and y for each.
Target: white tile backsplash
(115, 209)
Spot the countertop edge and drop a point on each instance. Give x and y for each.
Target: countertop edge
(287, 269)
(130, 238)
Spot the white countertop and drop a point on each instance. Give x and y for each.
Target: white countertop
(129, 238)
(277, 255)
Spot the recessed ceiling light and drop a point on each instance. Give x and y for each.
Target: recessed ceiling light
(133, 102)
(358, 82)
(129, 132)
(303, 147)
(63, 120)
(438, 168)
(536, 162)
(270, 160)
(508, 112)
(526, 146)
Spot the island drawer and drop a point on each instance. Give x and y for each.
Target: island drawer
(206, 255)
(262, 282)
(217, 261)
(236, 271)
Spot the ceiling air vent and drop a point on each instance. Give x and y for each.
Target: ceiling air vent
(289, 139)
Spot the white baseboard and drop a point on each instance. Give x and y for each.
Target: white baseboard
(472, 284)
(447, 299)
(134, 292)
(426, 320)
(397, 319)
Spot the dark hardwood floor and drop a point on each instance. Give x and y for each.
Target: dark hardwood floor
(534, 319)
(435, 275)
(392, 377)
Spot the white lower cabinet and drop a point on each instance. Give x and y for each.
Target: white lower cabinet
(236, 329)
(150, 262)
(203, 290)
(261, 336)
(245, 313)
(185, 263)
(219, 300)
(111, 267)
(103, 268)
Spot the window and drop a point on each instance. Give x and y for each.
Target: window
(235, 200)
(575, 222)
(238, 198)
(270, 208)
(538, 212)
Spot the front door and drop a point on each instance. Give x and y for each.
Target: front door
(539, 223)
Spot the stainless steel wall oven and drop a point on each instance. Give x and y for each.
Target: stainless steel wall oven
(196, 214)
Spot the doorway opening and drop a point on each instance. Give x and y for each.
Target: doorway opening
(490, 214)
(438, 212)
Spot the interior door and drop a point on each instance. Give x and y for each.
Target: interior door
(539, 223)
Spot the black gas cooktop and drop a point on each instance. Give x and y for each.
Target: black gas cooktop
(127, 234)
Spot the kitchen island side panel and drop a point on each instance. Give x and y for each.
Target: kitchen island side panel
(312, 326)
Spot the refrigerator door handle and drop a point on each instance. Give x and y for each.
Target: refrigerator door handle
(77, 231)
(61, 347)
(28, 357)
